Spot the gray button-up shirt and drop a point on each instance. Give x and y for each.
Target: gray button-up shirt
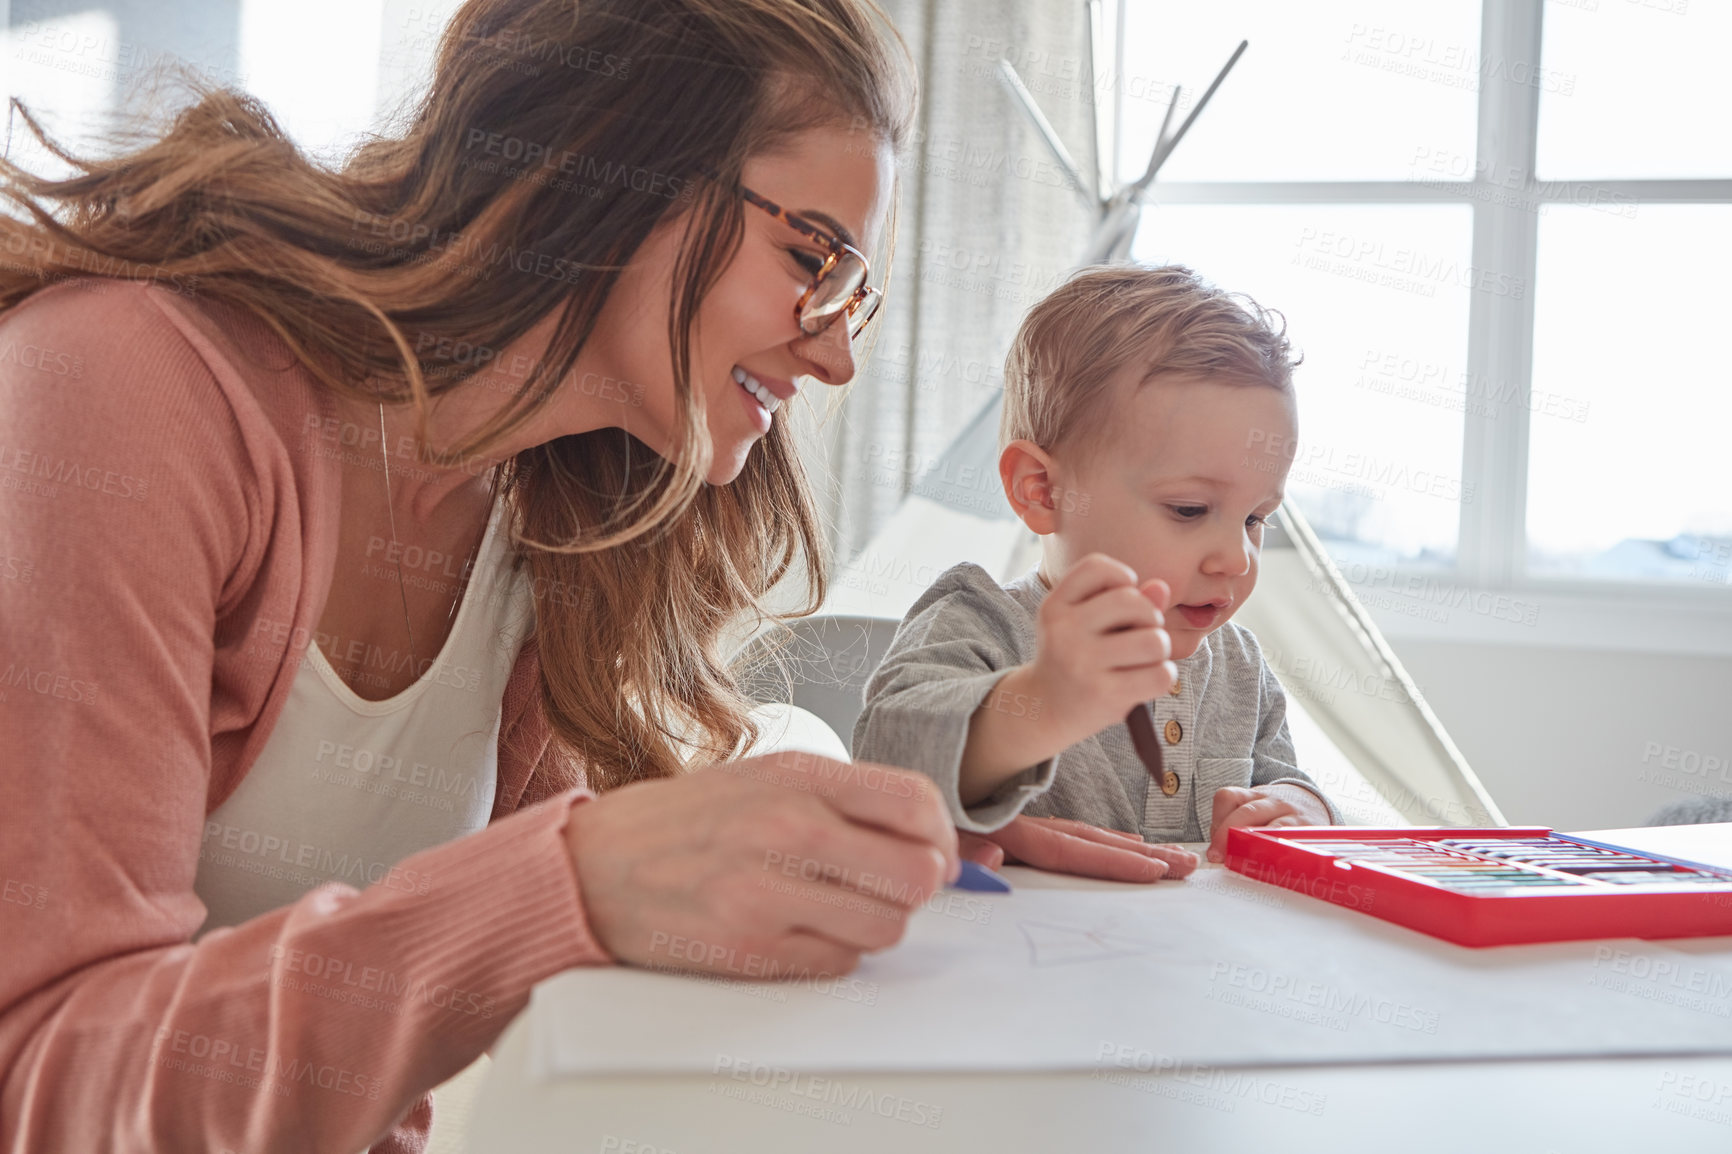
(967, 631)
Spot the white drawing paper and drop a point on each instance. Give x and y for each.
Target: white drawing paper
(1215, 969)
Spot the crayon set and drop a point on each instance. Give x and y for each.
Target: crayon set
(1482, 887)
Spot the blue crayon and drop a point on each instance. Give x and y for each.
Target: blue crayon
(978, 877)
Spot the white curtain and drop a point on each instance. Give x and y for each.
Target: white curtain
(986, 227)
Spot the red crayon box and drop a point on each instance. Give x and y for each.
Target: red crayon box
(1489, 887)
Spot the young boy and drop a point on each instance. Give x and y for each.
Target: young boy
(1137, 402)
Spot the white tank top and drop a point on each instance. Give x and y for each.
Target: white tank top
(345, 788)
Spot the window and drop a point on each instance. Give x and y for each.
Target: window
(70, 102)
(327, 69)
(1498, 235)
(321, 85)
(1630, 481)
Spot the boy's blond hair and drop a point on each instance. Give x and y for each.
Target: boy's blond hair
(1166, 319)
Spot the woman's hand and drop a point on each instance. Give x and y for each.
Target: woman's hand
(776, 866)
(1074, 847)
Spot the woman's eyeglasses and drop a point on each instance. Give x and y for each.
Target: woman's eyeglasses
(838, 287)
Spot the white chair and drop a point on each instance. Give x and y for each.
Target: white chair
(819, 664)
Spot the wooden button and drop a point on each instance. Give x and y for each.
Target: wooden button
(1174, 691)
(1174, 731)
(1169, 783)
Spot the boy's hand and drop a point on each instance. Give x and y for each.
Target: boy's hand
(1266, 805)
(1103, 647)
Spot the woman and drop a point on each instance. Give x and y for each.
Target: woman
(360, 527)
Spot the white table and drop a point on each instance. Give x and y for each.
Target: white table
(1676, 1105)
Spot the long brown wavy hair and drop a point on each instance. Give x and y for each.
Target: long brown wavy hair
(554, 136)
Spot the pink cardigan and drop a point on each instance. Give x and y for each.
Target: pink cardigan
(168, 530)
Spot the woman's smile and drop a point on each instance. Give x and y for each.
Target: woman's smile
(759, 400)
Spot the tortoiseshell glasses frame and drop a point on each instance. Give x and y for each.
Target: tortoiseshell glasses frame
(838, 286)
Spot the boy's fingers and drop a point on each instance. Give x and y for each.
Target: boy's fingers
(1227, 799)
(1110, 610)
(1144, 682)
(1089, 576)
(1159, 592)
(1134, 649)
(1258, 812)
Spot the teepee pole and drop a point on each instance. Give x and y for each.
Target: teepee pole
(1164, 148)
(1083, 187)
(1117, 207)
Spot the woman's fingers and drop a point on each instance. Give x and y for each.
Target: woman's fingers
(855, 920)
(898, 801)
(1049, 847)
(1180, 861)
(1098, 833)
(812, 955)
(979, 850)
(861, 860)
(760, 867)
(992, 855)
(1063, 853)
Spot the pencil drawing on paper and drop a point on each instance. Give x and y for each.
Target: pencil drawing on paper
(1053, 944)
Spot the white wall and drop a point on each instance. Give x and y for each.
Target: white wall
(1581, 738)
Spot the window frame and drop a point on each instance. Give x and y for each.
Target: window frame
(1491, 544)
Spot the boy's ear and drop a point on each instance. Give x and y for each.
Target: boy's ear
(1027, 472)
